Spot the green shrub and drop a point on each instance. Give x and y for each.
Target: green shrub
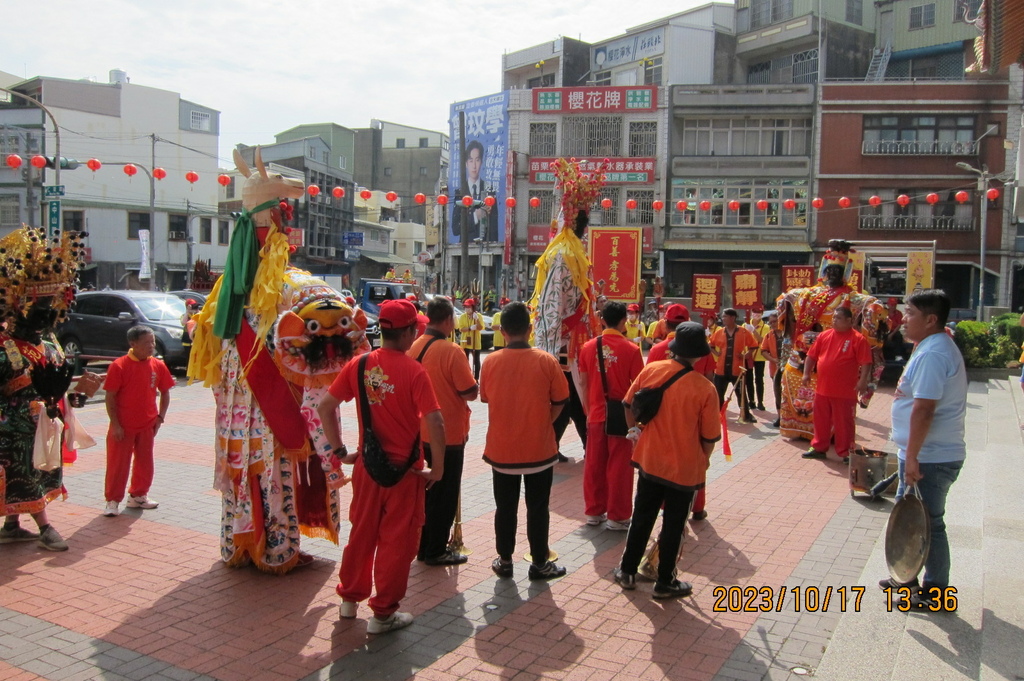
(1009, 325)
(1005, 351)
(975, 343)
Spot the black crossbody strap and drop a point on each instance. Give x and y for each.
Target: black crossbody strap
(364, 403)
(600, 364)
(676, 377)
(426, 347)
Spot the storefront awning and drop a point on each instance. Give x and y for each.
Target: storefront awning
(385, 259)
(736, 246)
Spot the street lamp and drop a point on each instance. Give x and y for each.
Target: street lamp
(983, 177)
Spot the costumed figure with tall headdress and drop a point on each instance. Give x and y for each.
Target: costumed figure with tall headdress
(269, 341)
(37, 286)
(805, 312)
(563, 303)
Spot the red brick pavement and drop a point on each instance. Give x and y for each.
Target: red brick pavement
(160, 590)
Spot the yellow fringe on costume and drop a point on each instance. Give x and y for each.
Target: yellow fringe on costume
(567, 244)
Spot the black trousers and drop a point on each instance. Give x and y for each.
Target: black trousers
(573, 410)
(777, 386)
(442, 501)
(506, 512)
(754, 381)
(722, 385)
(650, 496)
(476, 362)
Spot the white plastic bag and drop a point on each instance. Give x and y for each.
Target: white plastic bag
(46, 455)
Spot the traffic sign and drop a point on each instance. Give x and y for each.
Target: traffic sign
(53, 190)
(54, 212)
(353, 238)
(352, 253)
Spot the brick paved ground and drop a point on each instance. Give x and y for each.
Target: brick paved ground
(144, 595)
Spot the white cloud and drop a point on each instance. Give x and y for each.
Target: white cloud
(267, 70)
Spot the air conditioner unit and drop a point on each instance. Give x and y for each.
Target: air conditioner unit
(176, 236)
(331, 251)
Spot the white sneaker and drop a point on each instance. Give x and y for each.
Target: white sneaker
(111, 510)
(397, 620)
(596, 519)
(617, 525)
(141, 502)
(348, 609)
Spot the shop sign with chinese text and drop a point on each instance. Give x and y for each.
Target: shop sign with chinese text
(620, 170)
(746, 288)
(595, 99)
(707, 292)
(615, 255)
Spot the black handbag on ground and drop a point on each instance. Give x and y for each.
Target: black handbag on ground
(647, 401)
(375, 459)
(615, 420)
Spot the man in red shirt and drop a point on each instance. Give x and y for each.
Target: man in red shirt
(732, 345)
(675, 315)
(386, 521)
(132, 384)
(842, 358)
(608, 473)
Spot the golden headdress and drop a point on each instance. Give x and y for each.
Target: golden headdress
(34, 267)
(579, 189)
(838, 253)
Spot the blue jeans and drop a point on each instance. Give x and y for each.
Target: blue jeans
(933, 486)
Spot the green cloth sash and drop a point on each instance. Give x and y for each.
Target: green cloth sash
(239, 273)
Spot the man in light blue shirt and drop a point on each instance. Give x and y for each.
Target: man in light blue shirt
(928, 428)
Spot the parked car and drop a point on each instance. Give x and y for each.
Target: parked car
(99, 322)
(186, 294)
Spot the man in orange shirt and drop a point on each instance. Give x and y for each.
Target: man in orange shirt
(672, 454)
(842, 357)
(454, 387)
(731, 345)
(675, 315)
(525, 390)
(386, 521)
(607, 474)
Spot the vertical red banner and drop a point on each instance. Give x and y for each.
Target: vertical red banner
(615, 256)
(510, 211)
(797, 276)
(746, 288)
(707, 292)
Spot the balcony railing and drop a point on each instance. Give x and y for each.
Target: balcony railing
(918, 223)
(915, 148)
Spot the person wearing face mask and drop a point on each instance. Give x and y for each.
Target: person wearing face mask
(634, 327)
(754, 380)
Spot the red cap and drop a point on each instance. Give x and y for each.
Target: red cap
(397, 314)
(633, 308)
(677, 314)
(504, 302)
(757, 307)
(350, 301)
(191, 302)
(410, 296)
(893, 301)
(469, 302)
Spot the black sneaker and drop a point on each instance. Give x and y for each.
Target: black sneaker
(562, 458)
(447, 558)
(813, 453)
(502, 568)
(760, 407)
(626, 581)
(546, 571)
(775, 423)
(676, 589)
(700, 515)
(890, 583)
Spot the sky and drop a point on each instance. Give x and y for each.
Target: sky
(268, 65)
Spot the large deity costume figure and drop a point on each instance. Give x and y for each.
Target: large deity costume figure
(564, 316)
(269, 340)
(37, 286)
(805, 312)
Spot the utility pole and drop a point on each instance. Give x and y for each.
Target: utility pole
(152, 213)
(188, 243)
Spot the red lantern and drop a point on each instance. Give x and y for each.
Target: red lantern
(534, 202)
(93, 164)
(932, 198)
(875, 201)
(313, 190)
(630, 204)
(510, 202)
(365, 194)
(13, 161)
(962, 196)
(442, 200)
(818, 202)
(158, 173)
(489, 201)
(903, 200)
(734, 205)
(992, 194)
(844, 202)
(223, 180)
(38, 161)
(762, 205)
(338, 192)
(391, 196)
(467, 200)
(789, 204)
(420, 198)
(681, 205)
(606, 203)
(657, 205)
(192, 177)
(705, 205)
(130, 170)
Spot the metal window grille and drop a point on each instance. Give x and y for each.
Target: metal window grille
(746, 193)
(643, 139)
(201, 121)
(652, 71)
(922, 16)
(542, 214)
(743, 137)
(543, 138)
(592, 136)
(643, 214)
(603, 78)
(10, 211)
(855, 11)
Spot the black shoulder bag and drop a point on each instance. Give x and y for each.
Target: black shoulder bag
(647, 401)
(615, 421)
(375, 459)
